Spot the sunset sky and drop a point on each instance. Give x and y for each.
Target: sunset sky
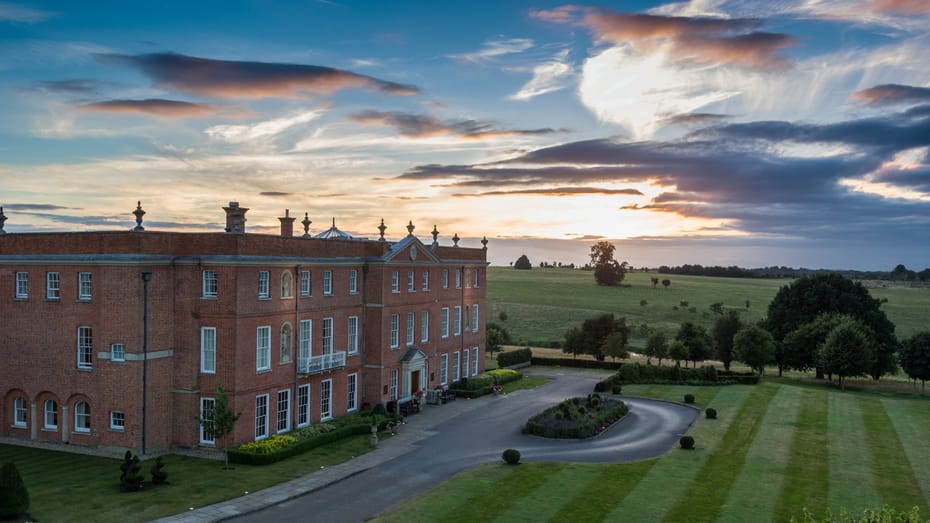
(754, 133)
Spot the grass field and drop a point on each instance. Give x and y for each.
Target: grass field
(541, 304)
(775, 448)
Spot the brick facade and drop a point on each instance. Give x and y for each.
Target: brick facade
(73, 364)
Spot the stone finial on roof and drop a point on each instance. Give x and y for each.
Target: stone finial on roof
(306, 221)
(455, 240)
(381, 229)
(2, 221)
(435, 234)
(484, 243)
(139, 214)
(410, 228)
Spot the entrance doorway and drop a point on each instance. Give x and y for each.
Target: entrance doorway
(414, 381)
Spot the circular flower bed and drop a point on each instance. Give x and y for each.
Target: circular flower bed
(577, 418)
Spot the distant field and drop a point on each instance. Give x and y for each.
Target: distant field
(541, 304)
(776, 448)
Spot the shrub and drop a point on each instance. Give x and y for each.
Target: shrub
(576, 418)
(379, 410)
(571, 362)
(511, 456)
(711, 413)
(131, 478)
(14, 498)
(686, 442)
(502, 376)
(689, 398)
(514, 357)
(248, 458)
(159, 476)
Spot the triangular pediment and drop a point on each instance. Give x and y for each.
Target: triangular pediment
(410, 250)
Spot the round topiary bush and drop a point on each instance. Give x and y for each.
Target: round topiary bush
(689, 398)
(711, 413)
(14, 498)
(686, 442)
(511, 456)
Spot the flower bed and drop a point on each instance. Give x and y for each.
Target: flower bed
(577, 418)
(483, 384)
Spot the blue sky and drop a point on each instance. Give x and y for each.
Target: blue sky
(712, 131)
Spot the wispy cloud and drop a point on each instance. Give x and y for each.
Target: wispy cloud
(263, 130)
(558, 191)
(889, 94)
(549, 76)
(22, 14)
(901, 7)
(496, 48)
(244, 79)
(421, 126)
(152, 106)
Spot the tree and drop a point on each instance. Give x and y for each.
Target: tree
(809, 296)
(677, 351)
(717, 308)
(14, 498)
(696, 340)
(666, 282)
(915, 357)
(799, 348)
(656, 345)
(723, 331)
(523, 263)
(130, 479)
(655, 281)
(755, 347)
(574, 342)
(589, 339)
(606, 270)
(493, 339)
(615, 345)
(847, 351)
(221, 421)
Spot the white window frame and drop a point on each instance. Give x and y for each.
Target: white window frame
(85, 347)
(46, 413)
(411, 327)
(303, 406)
(327, 335)
(286, 344)
(444, 323)
(426, 280)
(52, 286)
(395, 282)
(85, 286)
(264, 285)
(445, 278)
(457, 321)
(263, 348)
(326, 400)
(395, 338)
(209, 285)
(327, 283)
(207, 411)
(82, 417)
(393, 384)
(465, 366)
(474, 361)
(465, 276)
(287, 285)
(261, 417)
(117, 352)
(411, 281)
(475, 318)
(475, 272)
(208, 350)
(352, 392)
(424, 326)
(117, 420)
(305, 351)
(458, 279)
(22, 285)
(283, 418)
(352, 335)
(353, 281)
(444, 369)
(456, 363)
(20, 418)
(306, 290)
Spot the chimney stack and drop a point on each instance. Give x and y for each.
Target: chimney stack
(287, 224)
(235, 218)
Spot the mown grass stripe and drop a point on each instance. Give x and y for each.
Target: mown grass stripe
(911, 421)
(703, 396)
(806, 482)
(705, 496)
(548, 499)
(894, 477)
(765, 462)
(486, 506)
(852, 486)
(659, 489)
(603, 492)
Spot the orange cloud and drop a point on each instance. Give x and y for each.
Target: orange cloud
(888, 94)
(424, 126)
(153, 106)
(901, 7)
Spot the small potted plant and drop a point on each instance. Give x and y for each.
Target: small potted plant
(497, 389)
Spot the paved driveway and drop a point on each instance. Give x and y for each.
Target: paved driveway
(471, 432)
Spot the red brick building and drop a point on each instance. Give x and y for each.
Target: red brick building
(119, 339)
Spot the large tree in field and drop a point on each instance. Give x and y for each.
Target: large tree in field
(847, 351)
(606, 269)
(697, 341)
(755, 347)
(523, 263)
(221, 421)
(810, 296)
(725, 328)
(915, 357)
(590, 337)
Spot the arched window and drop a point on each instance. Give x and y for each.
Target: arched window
(81, 417)
(287, 341)
(51, 414)
(287, 284)
(19, 412)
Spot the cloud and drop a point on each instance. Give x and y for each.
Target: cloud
(549, 76)
(274, 193)
(696, 118)
(35, 207)
(422, 126)
(263, 130)
(558, 191)
(77, 86)
(242, 79)
(901, 7)
(889, 94)
(152, 106)
(495, 48)
(22, 14)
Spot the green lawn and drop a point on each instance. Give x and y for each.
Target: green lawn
(541, 304)
(72, 487)
(775, 448)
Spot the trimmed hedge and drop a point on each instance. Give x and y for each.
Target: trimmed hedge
(572, 362)
(514, 357)
(247, 458)
(663, 375)
(576, 418)
(483, 384)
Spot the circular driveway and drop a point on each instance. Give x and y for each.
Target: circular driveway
(473, 432)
